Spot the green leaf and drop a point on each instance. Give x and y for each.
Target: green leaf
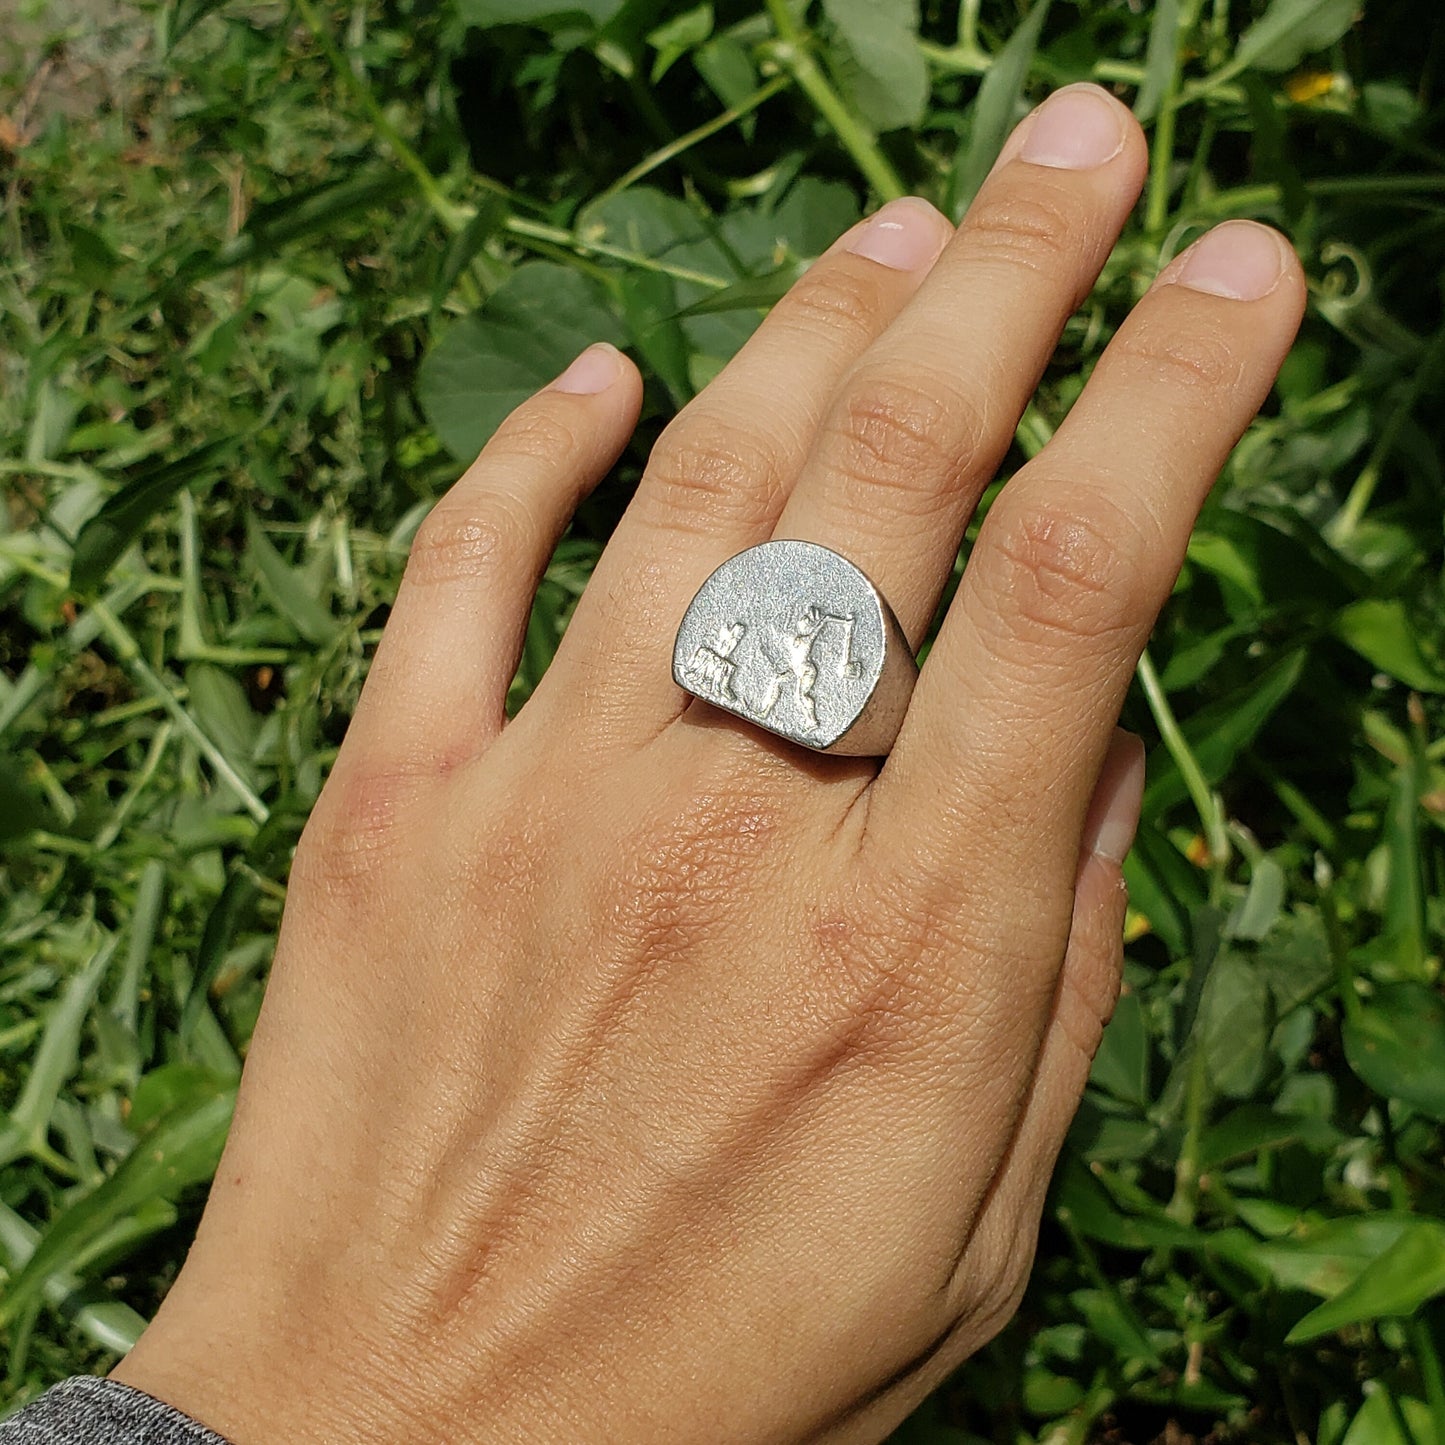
(1080, 1197)
(1163, 886)
(1295, 960)
(675, 37)
(648, 306)
(180, 17)
(166, 1090)
(222, 709)
(757, 293)
(1398, 1282)
(288, 588)
(56, 1057)
(522, 338)
(22, 809)
(182, 1150)
(1382, 632)
(307, 211)
(1220, 732)
(996, 109)
(466, 245)
(91, 254)
(877, 61)
(1404, 906)
(1253, 1129)
(1235, 1019)
(120, 519)
(1395, 1042)
(728, 71)
(649, 223)
(1387, 1418)
(235, 902)
(1289, 30)
(110, 1324)
(1121, 1066)
(1323, 1256)
(486, 13)
(812, 214)
(1160, 59)
(1261, 905)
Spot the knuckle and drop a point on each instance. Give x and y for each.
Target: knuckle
(1034, 228)
(888, 431)
(351, 834)
(1073, 567)
(993, 1304)
(676, 871)
(707, 461)
(874, 991)
(833, 299)
(1161, 353)
(534, 432)
(459, 541)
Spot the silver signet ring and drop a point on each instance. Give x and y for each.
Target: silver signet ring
(794, 638)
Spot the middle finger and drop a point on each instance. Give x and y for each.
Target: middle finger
(925, 416)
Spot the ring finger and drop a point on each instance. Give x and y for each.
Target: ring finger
(718, 476)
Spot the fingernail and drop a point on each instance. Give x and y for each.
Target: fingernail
(1075, 129)
(905, 235)
(595, 370)
(1113, 816)
(1240, 260)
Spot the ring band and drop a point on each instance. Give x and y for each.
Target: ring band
(795, 639)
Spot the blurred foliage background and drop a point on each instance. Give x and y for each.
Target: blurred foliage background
(271, 272)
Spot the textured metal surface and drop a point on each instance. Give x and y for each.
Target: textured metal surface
(794, 638)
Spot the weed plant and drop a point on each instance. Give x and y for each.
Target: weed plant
(265, 291)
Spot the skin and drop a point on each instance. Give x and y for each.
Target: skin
(628, 1074)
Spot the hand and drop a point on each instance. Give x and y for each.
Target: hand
(629, 1075)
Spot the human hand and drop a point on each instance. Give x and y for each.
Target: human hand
(626, 1074)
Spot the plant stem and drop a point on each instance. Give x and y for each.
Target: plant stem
(1422, 1339)
(793, 53)
(1184, 1203)
(451, 215)
(573, 241)
(1161, 147)
(1335, 939)
(968, 25)
(1349, 517)
(1206, 801)
(673, 149)
(160, 741)
(128, 654)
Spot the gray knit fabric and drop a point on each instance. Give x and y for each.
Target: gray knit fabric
(85, 1410)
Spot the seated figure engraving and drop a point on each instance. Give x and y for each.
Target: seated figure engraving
(711, 669)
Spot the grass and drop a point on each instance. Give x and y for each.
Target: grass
(257, 310)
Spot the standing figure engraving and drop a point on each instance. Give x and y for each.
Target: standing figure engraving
(710, 669)
(797, 666)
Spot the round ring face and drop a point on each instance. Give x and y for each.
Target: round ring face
(788, 635)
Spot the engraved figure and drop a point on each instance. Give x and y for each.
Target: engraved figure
(797, 665)
(710, 669)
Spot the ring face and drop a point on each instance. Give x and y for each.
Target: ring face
(795, 639)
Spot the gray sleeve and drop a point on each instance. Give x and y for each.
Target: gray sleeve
(86, 1410)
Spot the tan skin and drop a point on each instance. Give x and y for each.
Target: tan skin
(629, 1075)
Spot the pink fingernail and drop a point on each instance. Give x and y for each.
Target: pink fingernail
(906, 235)
(1075, 129)
(1114, 809)
(1240, 259)
(595, 370)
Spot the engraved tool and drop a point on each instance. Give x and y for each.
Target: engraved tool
(794, 638)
